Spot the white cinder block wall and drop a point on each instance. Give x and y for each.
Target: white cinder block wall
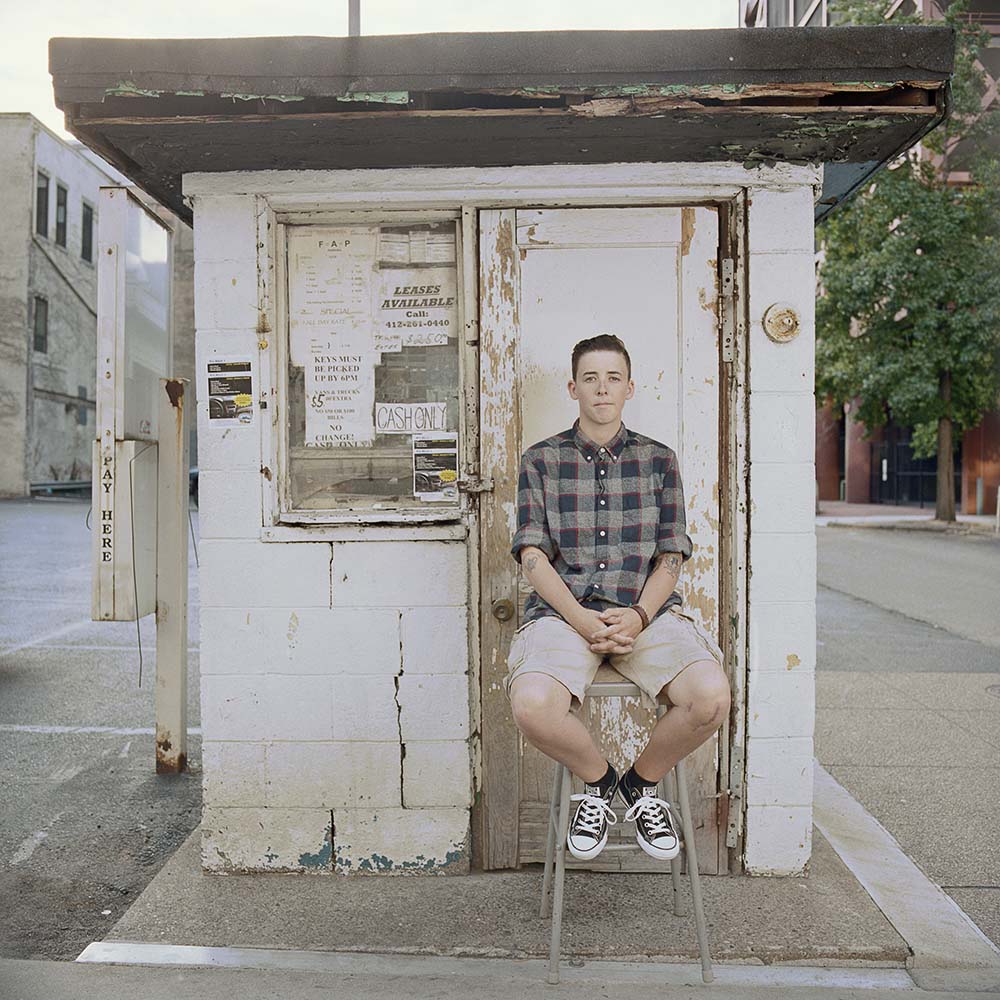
(782, 591)
(335, 690)
(335, 698)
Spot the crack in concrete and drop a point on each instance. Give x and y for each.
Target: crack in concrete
(399, 714)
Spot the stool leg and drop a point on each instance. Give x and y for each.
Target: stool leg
(675, 862)
(550, 843)
(560, 874)
(692, 863)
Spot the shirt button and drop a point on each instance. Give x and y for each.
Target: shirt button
(602, 472)
(588, 458)
(602, 451)
(602, 503)
(603, 533)
(601, 565)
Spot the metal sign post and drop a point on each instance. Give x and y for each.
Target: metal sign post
(140, 470)
(171, 579)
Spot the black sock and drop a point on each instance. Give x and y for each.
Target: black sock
(633, 779)
(606, 783)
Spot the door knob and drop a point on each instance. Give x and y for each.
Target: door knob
(503, 609)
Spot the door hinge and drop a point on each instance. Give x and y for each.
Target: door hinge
(727, 308)
(473, 484)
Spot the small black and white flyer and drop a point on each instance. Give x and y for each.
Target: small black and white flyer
(230, 391)
(435, 466)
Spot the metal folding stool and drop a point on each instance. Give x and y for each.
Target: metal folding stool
(610, 684)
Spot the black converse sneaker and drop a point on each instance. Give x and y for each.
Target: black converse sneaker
(654, 823)
(588, 830)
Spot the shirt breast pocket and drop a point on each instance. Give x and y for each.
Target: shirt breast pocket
(654, 494)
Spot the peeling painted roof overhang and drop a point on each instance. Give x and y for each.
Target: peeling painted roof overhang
(852, 98)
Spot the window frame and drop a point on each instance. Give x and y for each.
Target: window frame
(40, 215)
(81, 409)
(36, 311)
(273, 275)
(87, 232)
(61, 238)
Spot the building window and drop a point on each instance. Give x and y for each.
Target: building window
(42, 205)
(373, 367)
(41, 324)
(87, 234)
(81, 410)
(61, 199)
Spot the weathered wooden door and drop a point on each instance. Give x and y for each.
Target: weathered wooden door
(548, 278)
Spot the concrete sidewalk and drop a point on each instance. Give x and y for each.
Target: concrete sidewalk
(910, 518)
(825, 916)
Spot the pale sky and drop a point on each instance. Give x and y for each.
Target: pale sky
(25, 27)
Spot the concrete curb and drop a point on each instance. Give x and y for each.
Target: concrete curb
(947, 946)
(522, 970)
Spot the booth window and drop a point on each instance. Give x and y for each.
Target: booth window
(373, 367)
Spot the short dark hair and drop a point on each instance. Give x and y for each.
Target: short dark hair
(602, 342)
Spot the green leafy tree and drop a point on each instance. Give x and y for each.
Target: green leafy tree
(908, 318)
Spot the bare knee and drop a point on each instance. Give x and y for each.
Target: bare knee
(707, 701)
(537, 701)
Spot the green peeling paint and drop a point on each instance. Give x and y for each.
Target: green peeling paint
(377, 863)
(868, 84)
(669, 90)
(126, 88)
(262, 97)
(377, 96)
(421, 863)
(321, 859)
(811, 128)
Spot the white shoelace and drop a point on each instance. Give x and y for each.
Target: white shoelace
(657, 823)
(589, 814)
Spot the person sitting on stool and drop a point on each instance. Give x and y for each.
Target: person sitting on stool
(601, 537)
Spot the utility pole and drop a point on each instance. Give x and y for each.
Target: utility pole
(353, 18)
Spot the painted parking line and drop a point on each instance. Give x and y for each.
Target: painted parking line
(54, 634)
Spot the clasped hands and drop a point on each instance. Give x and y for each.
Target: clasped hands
(611, 631)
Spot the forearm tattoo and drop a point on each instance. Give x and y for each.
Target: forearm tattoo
(530, 563)
(671, 562)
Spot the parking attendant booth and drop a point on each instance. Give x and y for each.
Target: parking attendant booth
(398, 240)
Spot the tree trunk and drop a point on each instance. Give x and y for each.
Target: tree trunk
(945, 510)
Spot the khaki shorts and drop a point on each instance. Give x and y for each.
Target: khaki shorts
(551, 646)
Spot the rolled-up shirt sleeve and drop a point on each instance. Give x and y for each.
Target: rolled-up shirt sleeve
(671, 532)
(532, 526)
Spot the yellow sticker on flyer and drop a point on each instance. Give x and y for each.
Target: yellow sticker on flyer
(447, 475)
(243, 399)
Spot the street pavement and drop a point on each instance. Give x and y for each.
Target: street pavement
(908, 697)
(950, 581)
(85, 822)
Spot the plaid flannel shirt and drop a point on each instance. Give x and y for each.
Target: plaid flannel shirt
(601, 514)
